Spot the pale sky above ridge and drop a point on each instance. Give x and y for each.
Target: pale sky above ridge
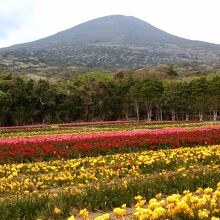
(27, 20)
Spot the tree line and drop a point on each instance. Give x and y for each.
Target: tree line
(98, 96)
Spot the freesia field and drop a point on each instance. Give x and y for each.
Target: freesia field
(91, 170)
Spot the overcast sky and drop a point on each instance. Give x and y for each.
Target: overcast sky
(27, 20)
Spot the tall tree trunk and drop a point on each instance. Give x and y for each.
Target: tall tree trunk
(200, 116)
(126, 115)
(149, 112)
(161, 114)
(215, 115)
(125, 112)
(173, 114)
(187, 117)
(137, 109)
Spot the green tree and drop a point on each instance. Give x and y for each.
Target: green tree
(214, 96)
(151, 93)
(135, 93)
(199, 91)
(5, 102)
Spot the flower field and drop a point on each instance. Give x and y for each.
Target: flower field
(159, 170)
(26, 149)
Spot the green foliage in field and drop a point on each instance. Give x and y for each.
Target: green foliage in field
(96, 96)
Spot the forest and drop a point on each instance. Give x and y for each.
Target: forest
(96, 96)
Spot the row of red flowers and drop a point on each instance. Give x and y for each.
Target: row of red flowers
(40, 148)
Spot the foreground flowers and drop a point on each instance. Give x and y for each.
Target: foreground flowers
(202, 204)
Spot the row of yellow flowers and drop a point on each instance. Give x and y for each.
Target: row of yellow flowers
(75, 174)
(202, 204)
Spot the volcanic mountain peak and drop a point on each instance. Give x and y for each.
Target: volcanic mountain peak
(110, 41)
(113, 29)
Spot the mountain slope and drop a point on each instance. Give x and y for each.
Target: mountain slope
(112, 41)
(116, 29)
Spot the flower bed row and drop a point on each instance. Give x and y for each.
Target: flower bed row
(23, 127)
(66, 125)
(70, 146)
(41, 176)
(95, 127)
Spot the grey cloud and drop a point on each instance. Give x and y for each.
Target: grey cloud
(14, 14)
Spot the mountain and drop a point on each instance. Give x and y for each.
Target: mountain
(116, 29)
(110, 42)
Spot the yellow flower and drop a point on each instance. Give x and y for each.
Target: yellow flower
(140, 203)
(213, 203)
(215, 218)
(138, 198)
(186, 192)
(208, 190)
(159, 196)
(182, 207)
(84, 214)
(158, 212)
(142, 213)
(103, 217)
(181, 169)
(123, 206)
(119, 212)
(125, 184)
(173, 198)
(199, 191)
(71, 218)
(57, 211)
(203, 214)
